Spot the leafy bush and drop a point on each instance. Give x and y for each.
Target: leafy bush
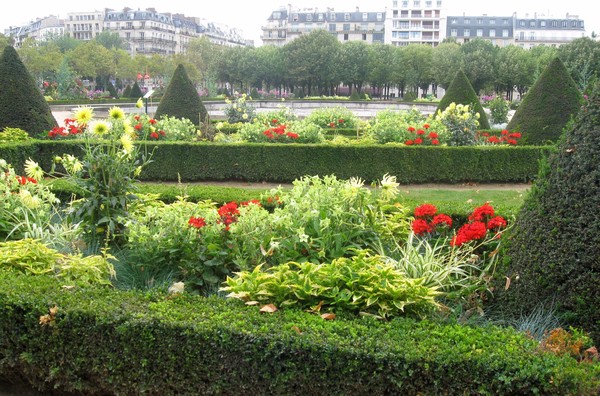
(333, 117)
(295, 132)
(13, 135)
(362, 283)
(240, 110)
(136, 91)
(179, 129)
(461, 92)
(461, 122)
(390, 126)
(499, 108)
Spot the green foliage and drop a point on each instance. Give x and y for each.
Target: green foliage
(548, 106)
(462, 122)
(22, 105)
(181, 99)
(34, 258)
(136, 91)
(112, 90)
(362, 283)
(98, 340)
(499, 108)
(127, 91)
(302, 131)
(461, 91)
(392, 126)
(240, 110)
(333, 117)
(177, 129)
(13, 135)
(554, 249)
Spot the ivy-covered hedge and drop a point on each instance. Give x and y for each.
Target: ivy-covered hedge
(286, 162)
(99, 341)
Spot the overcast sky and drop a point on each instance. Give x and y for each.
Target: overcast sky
(249, 15)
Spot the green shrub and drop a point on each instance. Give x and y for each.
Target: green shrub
(554, 250)
(136, 91)
(499, 108)
(179, 129)
(13, 135)
(240, 110)
(181, 99)
(102, 341)
(112, 90)
(333, 117)
(127, 92)
(22, 104)
(399, 126)
(548, 106)
(461, 91)
(410, 96)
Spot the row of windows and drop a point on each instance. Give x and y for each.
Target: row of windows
(332, 16)
(417, 3)
(85, 17)
(522, 23)
(480, 21)
(479, 33)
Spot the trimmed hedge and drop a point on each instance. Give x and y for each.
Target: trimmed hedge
(288, 162)
(101, 341)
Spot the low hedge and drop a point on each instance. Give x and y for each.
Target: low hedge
(100, 341)
(282, 163)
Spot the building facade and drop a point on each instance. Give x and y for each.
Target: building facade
(84, 25)
(39, 30)
(415, 22)
(512, 30)
(285, 25)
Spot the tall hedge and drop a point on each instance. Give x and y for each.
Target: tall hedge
(135, 92)
(22, 104)
(548, 105)
(461, 91)
(554, 249)
(181, 100)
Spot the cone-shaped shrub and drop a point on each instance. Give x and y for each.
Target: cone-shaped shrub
(22, 105)
(547, 106)
(181, 100)
(461, 91)
(135, 92)
(553, 254)
(112, 90)
(127, 91)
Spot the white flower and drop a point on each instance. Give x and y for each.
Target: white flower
(30, 201)
(176, 288)
(33, 170)
(389, 187)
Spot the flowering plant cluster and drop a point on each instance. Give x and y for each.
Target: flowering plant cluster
(71, 128)
(280, 133)
(428, 221)
(145, 127)
(239, 110)
(293, 132)
(505, 138)
(333, 117)
(482, 220)
(422, 136)
(461, 122)
(227, 214)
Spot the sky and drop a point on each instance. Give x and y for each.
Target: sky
(249, 15)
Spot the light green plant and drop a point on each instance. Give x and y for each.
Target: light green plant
(461, 122)
(178, 129)
(395, 126)
(240, 110)
(333, 117)
(499, 108)
(283, 115)
(361, 283)
(13, 135)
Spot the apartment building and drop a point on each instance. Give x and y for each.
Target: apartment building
(84, 25)
(287, 24)
(512, 30)
(41, 29)
(415, 22)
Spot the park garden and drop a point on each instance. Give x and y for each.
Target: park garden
(117, 277)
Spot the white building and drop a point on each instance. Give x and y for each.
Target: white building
(415, 22)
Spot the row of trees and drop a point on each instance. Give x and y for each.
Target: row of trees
(316, 63)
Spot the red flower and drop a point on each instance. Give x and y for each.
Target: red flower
(154, 135)
(268, 134)
(138, 127)
(274, 121)
(425, 210)
(24, 180)
(426, 126)
(292, 135)
(418, 141)
(411, 129)
(421, 227)
(469, 232)
(341, 121)
(494, 139)
(251, 202)
(420, 132)
(136, 117)
(432, 135)
(162, 133)
(496, 222)
(230, 208)
(482, 213)
(332, 124)
(409, 142)
(485, 134)
(435, 142)
(515, 135)
(197, 222)
(512, 142)
(504, 132)
(442, 220)
(152, 121)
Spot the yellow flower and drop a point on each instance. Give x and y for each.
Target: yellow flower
(100, 127)
(245, 116)
(30, 201)
(128, 128)
(137, 171)
(116, 113)
(219, 125)
(139, 104)
(127, 143)
(83, 115)
(33, 170)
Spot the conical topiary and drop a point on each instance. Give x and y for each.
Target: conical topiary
(22, 104)
(181, 100)
(553, 250)
(127, 91)
(547, 106)
(135, 92)
(461, 91)
(112, 90)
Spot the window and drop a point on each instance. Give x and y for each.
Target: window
(532, 36)
(345, 36)
(574, 23)
(320, 17)
(346, 17)
(521, 23)
(365, 16)
(295, 17)
(504, 32)
(332, 16)
(531, 23)
(564, 24)
(404, 25)
(479, 32)
(379, 16)
(415, 24)
(453, 21)
(554, 23)
(492, 21)
(480, 21)
(395, 4)
(404, 3)
(492, 32)
(416, 3)
(364, 36)
(332, 27)
(346, 27)
(309, 17)
(428, 3)
(467, 21)
(467, 32)
(415, 35)
(453, 32)
(505, 21)
(521, 36)
(364, 26)
(543, 23)
(439, 3)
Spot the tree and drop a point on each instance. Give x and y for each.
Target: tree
(353, 66)
(380, 67)
(478, 59)
(417, 61)
(399, 71)
(445, 60)
(270, 69)
(109, 40)
(41, 60)
(22, 105)
(136, 91)
(91, 60)
(552, 250)
(582, 58)
(548, 106)
(181, 100)
(514, 70)
(460, 91)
